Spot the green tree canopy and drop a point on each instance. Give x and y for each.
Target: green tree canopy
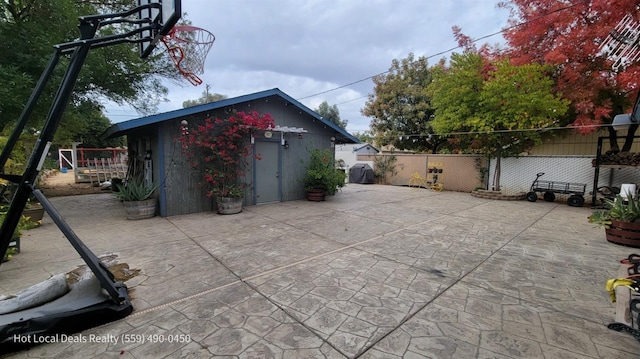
(493, 107)
(30, 28)
(400, 106)
(205, 98)
(365, 137)
(568, 35)
(332, 114)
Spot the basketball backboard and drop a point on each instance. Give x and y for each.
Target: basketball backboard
(163, 14)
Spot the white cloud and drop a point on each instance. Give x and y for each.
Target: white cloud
(309, 47)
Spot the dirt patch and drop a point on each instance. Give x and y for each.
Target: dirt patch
(120, 271)
(63, 184)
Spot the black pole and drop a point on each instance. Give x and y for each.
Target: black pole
(54, 117)
(596, 175)
(101, 272)
(26, 113)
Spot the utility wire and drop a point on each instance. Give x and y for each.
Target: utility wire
(540, 129)
(448, 50)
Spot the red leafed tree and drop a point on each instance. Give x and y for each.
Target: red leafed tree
(219, 148)
(568, 33)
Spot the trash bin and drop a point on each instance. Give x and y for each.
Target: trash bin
(64, 170)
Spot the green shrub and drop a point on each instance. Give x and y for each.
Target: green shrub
(322, 173)
(135, 190)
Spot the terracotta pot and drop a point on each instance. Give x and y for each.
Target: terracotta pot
(624, 233)
(140, 209)
(228, 205)
(316, 195)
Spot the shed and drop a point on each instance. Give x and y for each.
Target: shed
(275, 177)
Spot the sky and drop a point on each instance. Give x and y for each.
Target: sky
(319, 51)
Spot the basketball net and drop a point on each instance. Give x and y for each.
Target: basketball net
(622, 45)
(188, 47)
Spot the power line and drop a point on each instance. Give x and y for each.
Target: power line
(353, 99)
(449, 50)
(539, 129)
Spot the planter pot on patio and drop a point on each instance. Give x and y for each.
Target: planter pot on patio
(140, 209)
(228, 205)
(35, 213)
(316, 195)
(624, 233)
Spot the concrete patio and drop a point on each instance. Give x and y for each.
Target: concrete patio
(374, 272)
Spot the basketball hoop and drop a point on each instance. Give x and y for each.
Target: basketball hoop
(188, 47)
(623, 43)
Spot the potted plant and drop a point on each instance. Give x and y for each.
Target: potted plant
(138, 198)
(322, 177)
(230, 198)
(34, 211)
(14, 245)
(219, 149)
(621, 220)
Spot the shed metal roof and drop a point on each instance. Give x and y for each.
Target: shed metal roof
(121, 128)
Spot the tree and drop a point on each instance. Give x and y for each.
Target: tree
(364, 136)
(205, 98)
(95, 125)
(30, 28)
(332, 114)
(500, 107)
(400, 107)
(568, 35)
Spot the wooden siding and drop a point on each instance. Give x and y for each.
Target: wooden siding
(183, 192)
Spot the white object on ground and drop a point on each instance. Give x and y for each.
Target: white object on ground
(35, 295)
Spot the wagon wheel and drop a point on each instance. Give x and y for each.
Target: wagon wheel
(549, 196)
(532, 196)
(437, 187)
(575, 200)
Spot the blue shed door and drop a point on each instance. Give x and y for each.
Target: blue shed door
(267, 184)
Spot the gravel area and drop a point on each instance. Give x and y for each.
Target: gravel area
(63, 184)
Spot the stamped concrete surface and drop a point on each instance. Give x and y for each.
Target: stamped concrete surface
(373, 272)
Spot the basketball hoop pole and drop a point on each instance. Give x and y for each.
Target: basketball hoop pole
(46, 136)
(28, 109)
(117, 305)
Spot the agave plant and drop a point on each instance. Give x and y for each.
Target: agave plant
(135, 190)
(623, 209)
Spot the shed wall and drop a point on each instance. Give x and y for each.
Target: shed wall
(182, 189)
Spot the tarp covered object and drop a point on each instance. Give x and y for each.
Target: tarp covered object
(361, 173)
